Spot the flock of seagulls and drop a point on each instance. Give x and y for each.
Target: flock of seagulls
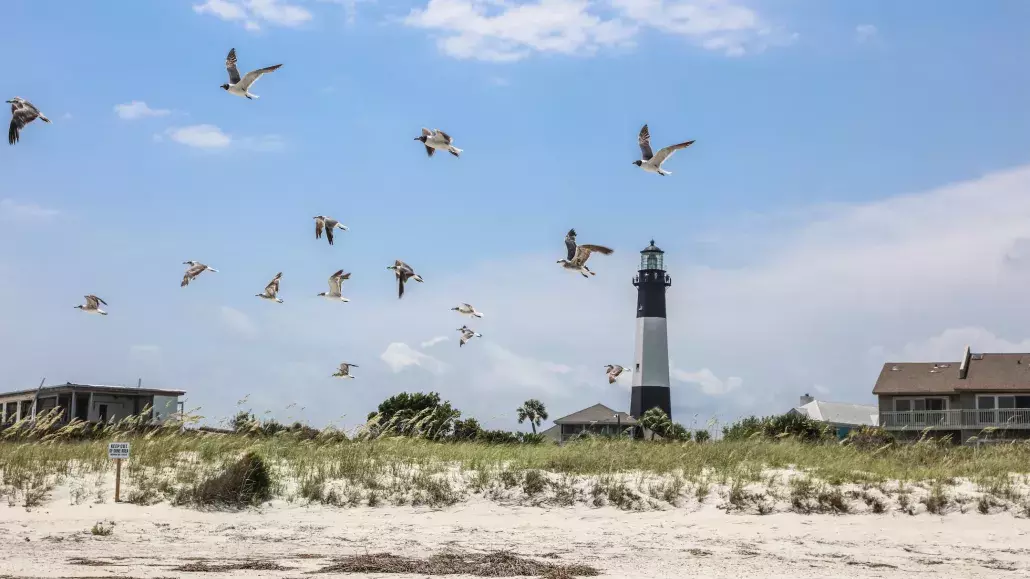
(23, 112)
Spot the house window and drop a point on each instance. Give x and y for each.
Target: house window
(1002, 409)
(928, 411)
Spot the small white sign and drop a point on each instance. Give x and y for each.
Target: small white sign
(118, 450)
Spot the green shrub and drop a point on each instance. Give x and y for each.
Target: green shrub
(244, 482)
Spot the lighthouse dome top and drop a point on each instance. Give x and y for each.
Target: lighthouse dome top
(652, 248)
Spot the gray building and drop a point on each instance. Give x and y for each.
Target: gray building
(986, 396)
(841, 416)
(598, 420)
(90, 402)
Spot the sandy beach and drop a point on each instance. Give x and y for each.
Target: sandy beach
(55, 540)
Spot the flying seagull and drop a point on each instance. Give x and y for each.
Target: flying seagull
(344, 371)
(653, 163)
(404, 273)
(241, 87)
(93, 305)
(272, 289)
(578, 255)
(335, 293)
(613, 371)
(468, 310)
(437, 139)
(22, 113)
(196, 268)
(328, 224)
(467, 334)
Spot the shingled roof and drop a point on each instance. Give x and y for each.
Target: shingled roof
(598, 413)
(978, 373)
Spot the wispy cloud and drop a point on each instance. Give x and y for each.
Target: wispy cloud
(253, 13)
(11, 210)
(138, 110)
(710, 384)
(237, 322)
(865, 32)
(505, 31)
(399, 356)
(200, 136)
(434, 341)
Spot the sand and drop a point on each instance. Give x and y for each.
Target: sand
(54, 540)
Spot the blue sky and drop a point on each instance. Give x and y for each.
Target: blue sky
(857, 181)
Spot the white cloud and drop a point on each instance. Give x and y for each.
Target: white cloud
(865, 32)
(399, 356)
(200, 136)
(138, 110)
(710, 384)
(434, 341)
(510, 370)
(252, 13)
(504, 31)
(11, 210)
(237, 322)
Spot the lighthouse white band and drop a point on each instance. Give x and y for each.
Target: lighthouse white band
(651, 359)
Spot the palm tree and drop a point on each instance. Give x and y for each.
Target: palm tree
(657, 421)
(534, 411)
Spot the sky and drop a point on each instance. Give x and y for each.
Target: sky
(858, 192)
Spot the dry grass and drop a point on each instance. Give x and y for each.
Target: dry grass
(198, 468)
(499, 564)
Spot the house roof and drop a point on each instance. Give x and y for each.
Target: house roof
(986, 373)
(840, 413)
(598, 413)
(103, 388)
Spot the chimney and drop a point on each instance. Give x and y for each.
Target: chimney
(963, 369)
(805, 399)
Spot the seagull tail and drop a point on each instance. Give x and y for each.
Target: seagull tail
(212, 269)
(417, 278)
(44, 119)
(478, 314)
(454, 151)
(279, 300)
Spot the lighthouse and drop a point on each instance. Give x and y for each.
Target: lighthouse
(651, 359)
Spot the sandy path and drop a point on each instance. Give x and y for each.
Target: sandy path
(151, 541)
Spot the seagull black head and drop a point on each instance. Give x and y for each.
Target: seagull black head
(638, 162)
(421, 138)
(225, 86)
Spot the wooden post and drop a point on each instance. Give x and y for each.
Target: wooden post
(117, 479)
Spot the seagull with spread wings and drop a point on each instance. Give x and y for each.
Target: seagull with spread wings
(652, 163)
(328, 224)
(22, 113)
(468, 310)
(335, 293)
(579, 254)
(196, 268)
(93, 305)
(404, 273)
(467, 334)
(613, 371)
(241, 86)
(272, 289)
(344, 371)
(437, 139)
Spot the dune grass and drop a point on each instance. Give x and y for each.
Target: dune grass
(178, 465)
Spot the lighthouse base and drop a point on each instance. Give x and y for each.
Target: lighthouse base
(645, 398)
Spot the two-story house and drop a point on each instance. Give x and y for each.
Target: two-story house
(986, 396)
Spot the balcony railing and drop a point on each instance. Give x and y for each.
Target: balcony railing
(956, 419)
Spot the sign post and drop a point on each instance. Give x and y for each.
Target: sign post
(118, 451)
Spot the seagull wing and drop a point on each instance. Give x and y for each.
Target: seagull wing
(666, 152)
(329, 233)
(21, 115)
(230, 65)
(335, 281)
(273, 286)
(644, 140)
(400, 284)
(583, 252)
(91, 302)
(319, 224)
(344, 276)
(447, 138)
(570, 244)
(426, 132)
(430, 150)
(252, 76)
